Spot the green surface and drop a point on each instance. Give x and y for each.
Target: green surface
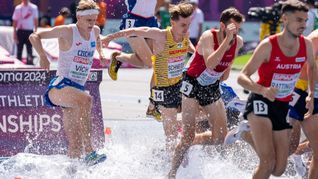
(240, 61)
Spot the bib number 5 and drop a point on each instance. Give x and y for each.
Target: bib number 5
(186, 88)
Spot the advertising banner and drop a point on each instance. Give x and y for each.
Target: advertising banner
(27, 124)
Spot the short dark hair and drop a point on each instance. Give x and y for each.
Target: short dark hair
(183, 9)
(231, 13)
(294, 5)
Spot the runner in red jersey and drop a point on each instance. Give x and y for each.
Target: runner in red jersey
(211, 63)
(279, 60)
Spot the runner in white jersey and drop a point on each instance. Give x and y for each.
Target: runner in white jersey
(77, 43)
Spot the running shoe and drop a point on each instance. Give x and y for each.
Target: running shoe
(114, 66)
(153, 112)
(93, 158)
(235, 134)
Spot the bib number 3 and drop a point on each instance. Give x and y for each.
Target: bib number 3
(130, 23)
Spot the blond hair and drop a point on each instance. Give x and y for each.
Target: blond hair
(86, 4)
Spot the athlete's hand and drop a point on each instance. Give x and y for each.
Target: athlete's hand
(105, 41)
(269, 92)
(309, 106)
(44, 62)
(230, 31)
(102, 59)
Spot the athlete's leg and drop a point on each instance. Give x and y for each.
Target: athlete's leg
(303, 148)
(189, 111)
(217, 119)
(170, 126)
(281, 141)
(152, 110)
(80, 103)
(294, 136)
(140, 58)
(142, 52)
(309, 127)
(71, 128)
(261, 130)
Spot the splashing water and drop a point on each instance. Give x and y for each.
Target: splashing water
(137, 150)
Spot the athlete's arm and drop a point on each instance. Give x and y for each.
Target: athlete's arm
(213, 57)
(35, 39)
(191, 48)
(312, 74)
(260, 55)
(99, 49)
(145, 32)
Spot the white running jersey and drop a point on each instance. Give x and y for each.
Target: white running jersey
(143, 8)
(75, 64)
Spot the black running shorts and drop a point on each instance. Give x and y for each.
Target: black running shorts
(205, 95)
(276, 111)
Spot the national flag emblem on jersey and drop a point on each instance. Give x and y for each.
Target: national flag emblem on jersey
(300, 59)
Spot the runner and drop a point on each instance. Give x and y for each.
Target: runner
(298, 111)
(214, 55)
(77, 43)
(137, 16)
(279, 60)
(170, 47)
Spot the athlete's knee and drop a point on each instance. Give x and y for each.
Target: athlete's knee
(147, 62)
(279, 170)
(84, 101)
(268, 163)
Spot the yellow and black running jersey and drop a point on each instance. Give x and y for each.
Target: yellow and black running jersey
(168, 65)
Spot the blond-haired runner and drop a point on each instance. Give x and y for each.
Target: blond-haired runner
(279, 60)
(170, 47)
(77, 43)
(211, 62)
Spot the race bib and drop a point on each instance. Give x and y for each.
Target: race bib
(295, 96)
(186, 88)
(175, 67)
(285, 84)
(208, 77)
(79, 69)
(130, 23)
(157, 95)
(260, 107)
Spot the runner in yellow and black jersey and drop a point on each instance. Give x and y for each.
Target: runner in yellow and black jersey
(169, 47)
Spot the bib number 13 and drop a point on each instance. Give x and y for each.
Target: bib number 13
(260, 107)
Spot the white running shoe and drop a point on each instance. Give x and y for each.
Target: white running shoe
(299, 165)
(235, 134)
